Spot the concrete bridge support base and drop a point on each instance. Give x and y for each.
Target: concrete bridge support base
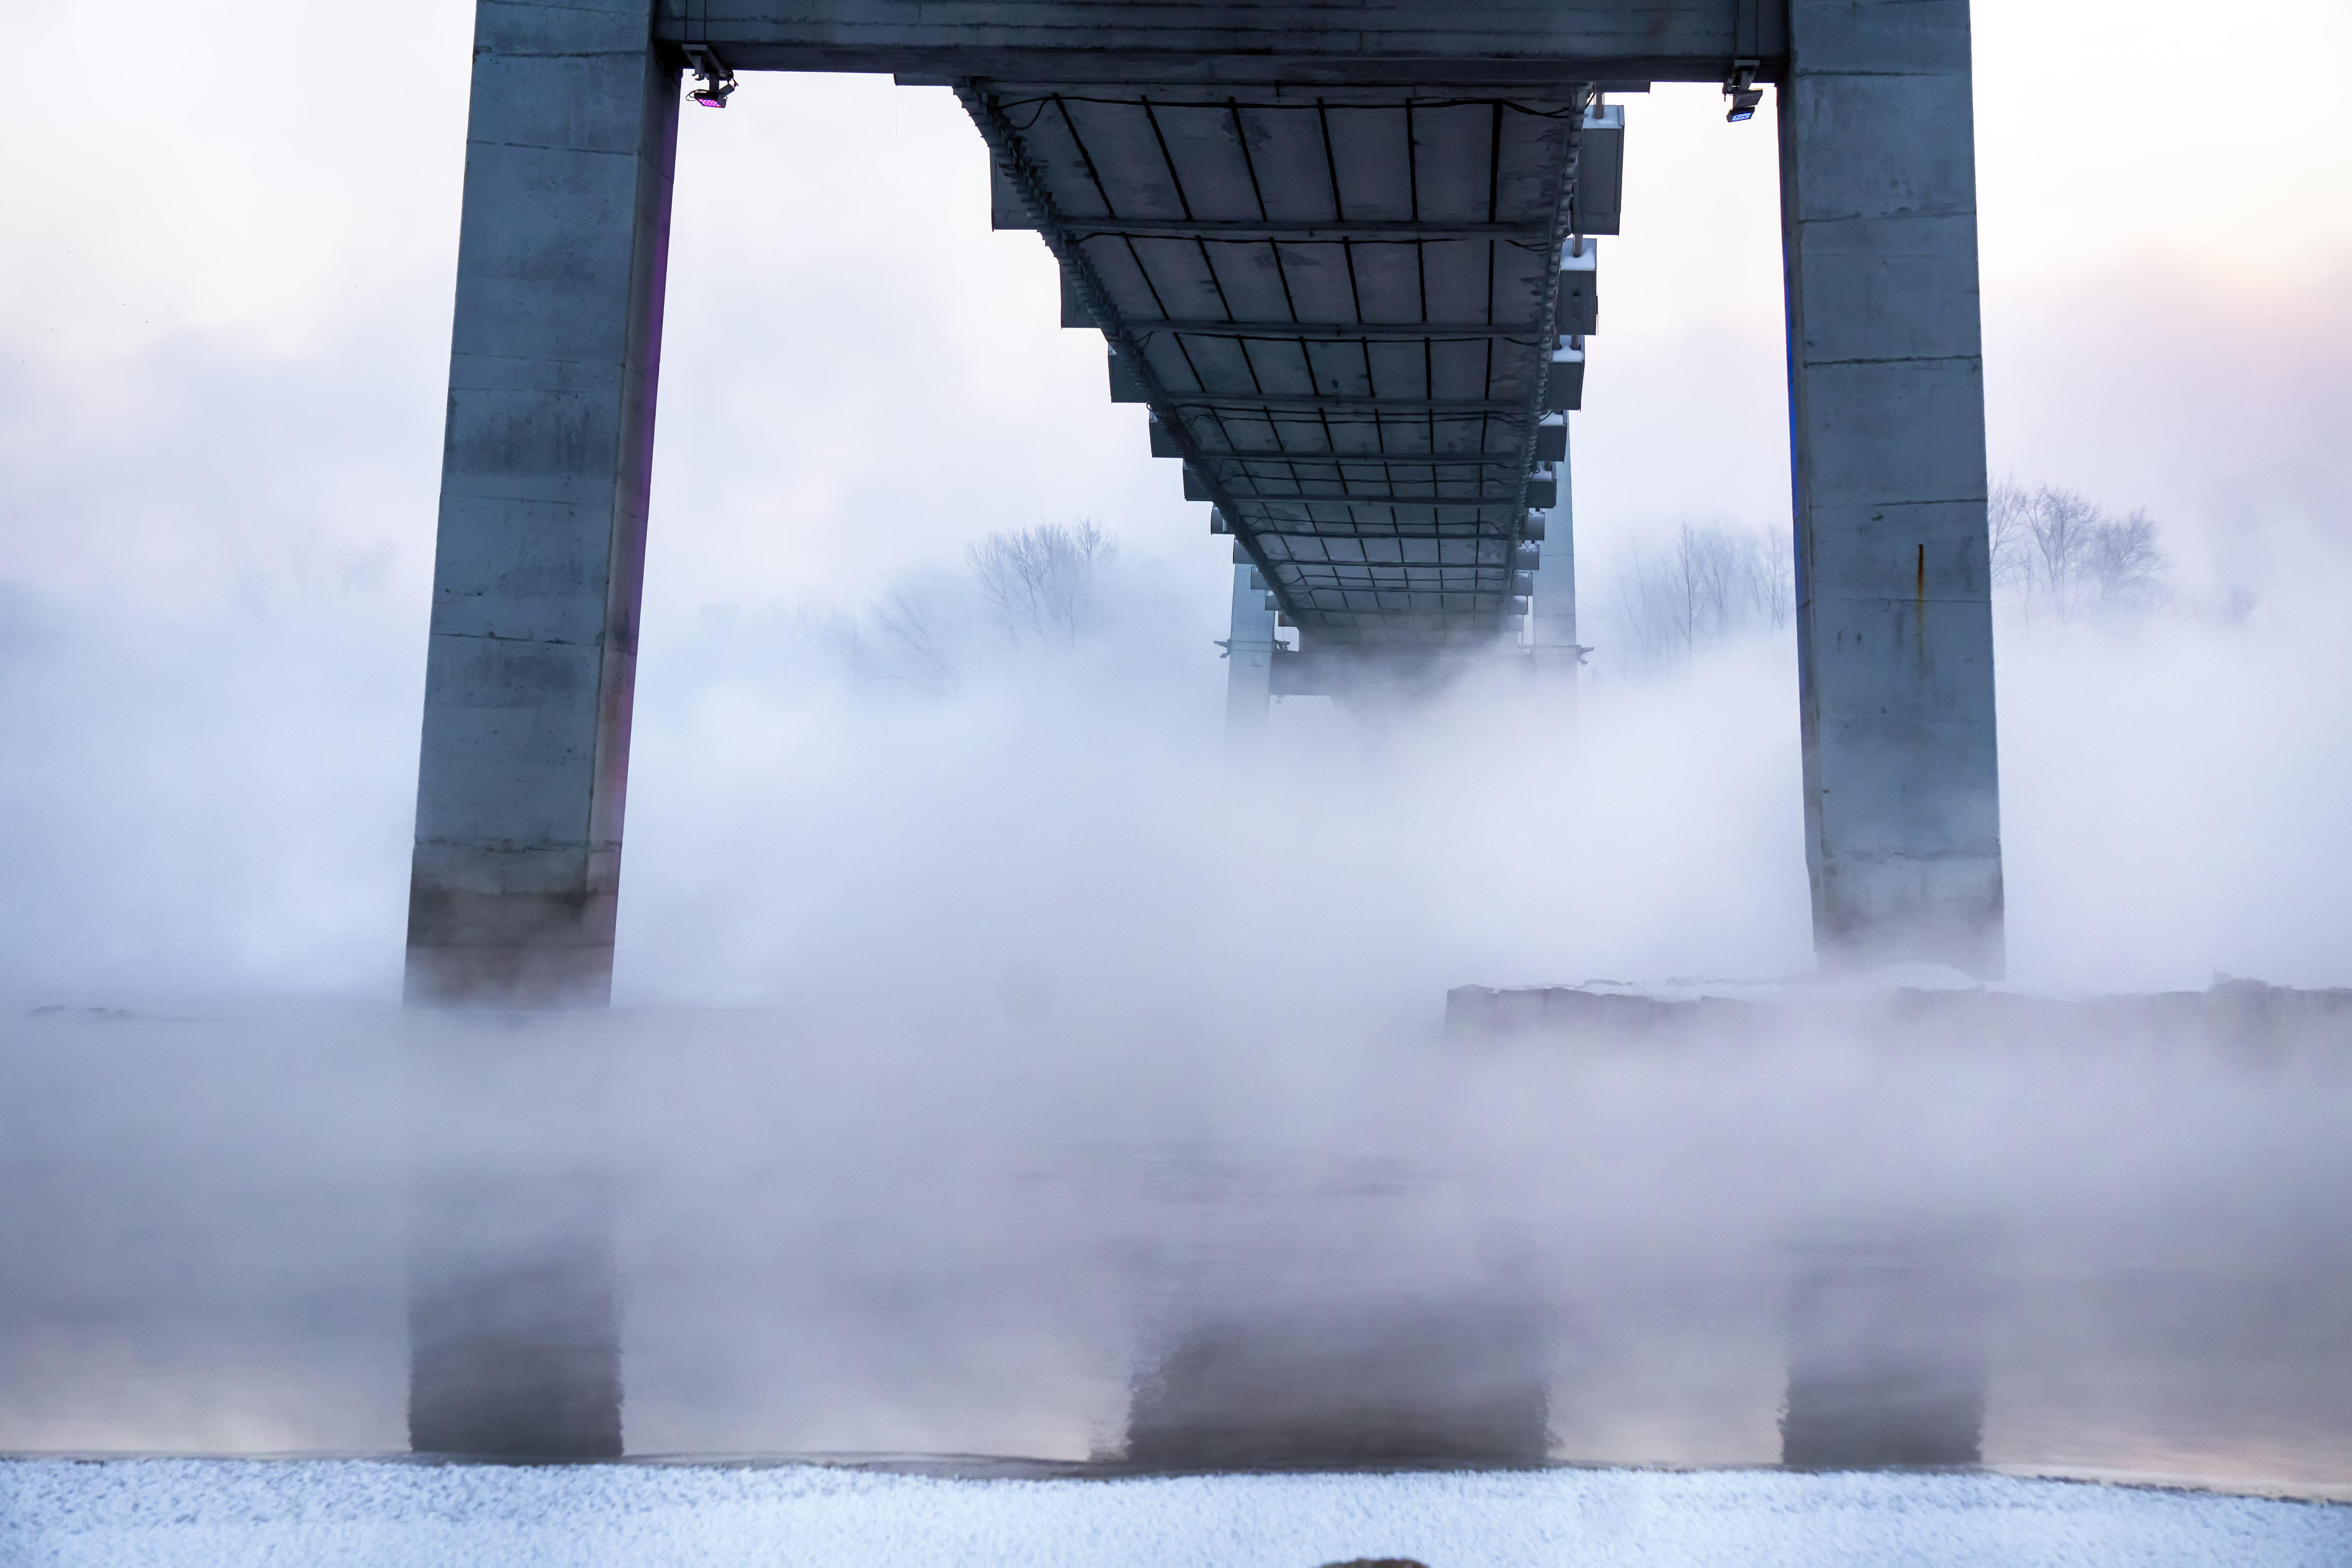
(1886, 389)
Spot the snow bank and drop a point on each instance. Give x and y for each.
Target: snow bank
(213, 1513)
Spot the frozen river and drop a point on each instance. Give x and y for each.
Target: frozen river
(998, 1238)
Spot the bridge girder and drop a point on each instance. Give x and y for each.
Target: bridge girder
(1427, 43)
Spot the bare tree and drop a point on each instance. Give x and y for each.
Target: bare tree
(2060, 530)
(2061, 556)
(2125, 561)
(2008, 534)
(1712, 583)
(1043, 582)
(922, 621)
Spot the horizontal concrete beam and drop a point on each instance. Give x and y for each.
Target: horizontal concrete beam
(1485, 503)
(1401, 232)
(1386, 549)
(1339, 332)
(1370, 459)
(1316, 401)
(1426, 42)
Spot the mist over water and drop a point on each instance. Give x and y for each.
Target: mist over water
(984, 1029)
(975, 1045)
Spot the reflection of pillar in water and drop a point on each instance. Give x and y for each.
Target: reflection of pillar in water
(1887, 1359)
(1353, 1383)
(513, 1314)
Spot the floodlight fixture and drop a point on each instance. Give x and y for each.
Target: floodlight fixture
(714, 78)
(1741, 89)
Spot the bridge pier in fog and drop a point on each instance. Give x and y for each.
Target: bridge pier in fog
(556, 347)
(1887, 403)
(1249, 660)
(1551, 615)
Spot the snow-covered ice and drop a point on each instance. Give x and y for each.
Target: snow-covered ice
(178, 1513)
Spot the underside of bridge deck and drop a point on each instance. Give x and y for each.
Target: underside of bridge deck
(1338, 304)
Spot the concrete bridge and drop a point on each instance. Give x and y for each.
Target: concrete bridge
(1347, 254)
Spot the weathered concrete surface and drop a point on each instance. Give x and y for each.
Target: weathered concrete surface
(544, 481)
(1249, 661)
(1885, 374)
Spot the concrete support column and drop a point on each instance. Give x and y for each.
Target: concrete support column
(561, 256)
(1249, 669)
(1886, 378)
(1552, 624)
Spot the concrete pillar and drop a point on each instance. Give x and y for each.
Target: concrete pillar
(1885, 379)
(562, 249)
(1552, 625)
(1249, 667)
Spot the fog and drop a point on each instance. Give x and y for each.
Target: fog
(981, 1024)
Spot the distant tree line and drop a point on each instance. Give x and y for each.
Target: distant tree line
(1056, 601)
(1713, 583)
(1033, 590)
(2055, 556)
